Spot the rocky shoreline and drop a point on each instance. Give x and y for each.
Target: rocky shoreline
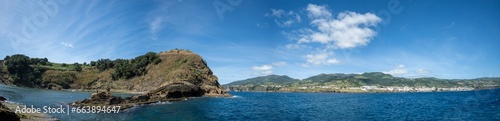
(170, 92)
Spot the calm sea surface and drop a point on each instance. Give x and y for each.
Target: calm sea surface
(470, 105)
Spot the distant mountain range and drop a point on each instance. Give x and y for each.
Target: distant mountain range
(265, 80)
(349, 82)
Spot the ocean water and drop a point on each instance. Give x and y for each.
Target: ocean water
(470, 105)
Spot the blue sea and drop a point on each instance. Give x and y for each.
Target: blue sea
(469, 105)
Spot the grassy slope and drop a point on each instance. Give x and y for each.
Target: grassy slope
(179, 66)
(175, 66)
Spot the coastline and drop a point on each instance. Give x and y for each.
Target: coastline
(362, 91)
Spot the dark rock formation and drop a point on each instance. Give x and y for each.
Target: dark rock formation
(170, 92)
(176, 90)
(2, 98)
(7, 115)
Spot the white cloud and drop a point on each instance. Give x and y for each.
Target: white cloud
(318, 11)
(320, 59)
(399, 70)
(286, 23)
(283, 18)
(348, 30)
(154, 26)
(327, 32)
(422, 71)
(281, 63)
(262, 70)
(67, 44)
(277, 12)
(266, 69)
(296, 46)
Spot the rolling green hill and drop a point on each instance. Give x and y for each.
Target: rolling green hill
(266, 80)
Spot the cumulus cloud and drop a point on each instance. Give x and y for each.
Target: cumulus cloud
(154, 26)
(347, 30)
(266, 69)
(318, 11)
(320, 59)
(328, 32)
(262, 70)
(399, 70)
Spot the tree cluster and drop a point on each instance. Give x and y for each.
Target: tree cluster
(20, 70)
(77, 67)
(127, 68)
(102, 64)
(39, 61)
(135, 67)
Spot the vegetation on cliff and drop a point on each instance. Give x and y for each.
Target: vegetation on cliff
(143, 73)
(36, 72)
(336, 82)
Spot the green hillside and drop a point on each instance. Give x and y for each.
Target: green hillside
(266, 80)
(344, 82)
(142, 73)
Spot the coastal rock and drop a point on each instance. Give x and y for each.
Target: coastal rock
(103, 97)
(2, 98)
(176, 90)
(170, 92)
(7, 115)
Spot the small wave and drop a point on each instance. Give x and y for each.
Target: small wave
(61, 103)
(132, 108)
(235, 96)
(160, 103)
(16, 103)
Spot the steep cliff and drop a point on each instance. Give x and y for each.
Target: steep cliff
(178, 66)
(179, 75)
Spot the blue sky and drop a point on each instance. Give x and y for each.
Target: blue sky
(249, 38)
